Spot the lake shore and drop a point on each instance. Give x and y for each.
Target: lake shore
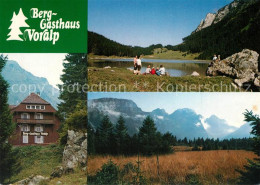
(99, 57)
(123, 80)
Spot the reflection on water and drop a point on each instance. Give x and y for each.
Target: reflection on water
(173, 67)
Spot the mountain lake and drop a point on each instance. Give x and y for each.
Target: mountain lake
(175, 68)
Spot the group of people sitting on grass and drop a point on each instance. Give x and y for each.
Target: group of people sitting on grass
(158, 71)
(138, 65)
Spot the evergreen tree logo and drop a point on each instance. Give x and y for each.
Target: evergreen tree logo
(18, 21)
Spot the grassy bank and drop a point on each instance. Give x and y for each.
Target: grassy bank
(120, 80)
(41, 160)
(202, 167)
(177, 55)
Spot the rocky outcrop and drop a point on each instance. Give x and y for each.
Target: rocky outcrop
(224, 11)
(74, 154)
(75, 151)
(207, 22)
(32, 180)
(213, 18)
(242, 67)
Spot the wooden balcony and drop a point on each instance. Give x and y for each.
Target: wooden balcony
(35, 121)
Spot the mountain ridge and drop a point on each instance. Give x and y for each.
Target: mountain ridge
(238, 29)
(181, 123)
(22, 83)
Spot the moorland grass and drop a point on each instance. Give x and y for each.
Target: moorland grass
(202, 167)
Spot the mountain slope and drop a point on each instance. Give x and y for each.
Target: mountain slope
(22, 83)
(186, 123)
(237, 29)
(218, 128)
(182, 123)
(213, 18)
(242, 132)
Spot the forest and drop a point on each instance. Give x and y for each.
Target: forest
(100, 45)
(114, 139)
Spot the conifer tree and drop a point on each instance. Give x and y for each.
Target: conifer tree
(6, 128)
(251, 175)
(148, 137)
(74, 81)
(72, 92)
(91, 139)
(121, 136)
(105, 136)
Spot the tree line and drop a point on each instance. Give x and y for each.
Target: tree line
(114, 139)
(100, 45)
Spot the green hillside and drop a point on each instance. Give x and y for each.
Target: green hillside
(41, 160)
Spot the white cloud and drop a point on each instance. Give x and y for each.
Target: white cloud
(111, 112)
(139, 116)
(160, 117)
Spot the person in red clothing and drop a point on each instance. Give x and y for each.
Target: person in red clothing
(153, 71)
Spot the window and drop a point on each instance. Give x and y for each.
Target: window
(25, 116)
(25, 138)
(38, 139)
(37, 107)
(38, 116)
(38, 128)
(25, 128)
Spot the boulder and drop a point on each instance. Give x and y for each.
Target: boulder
(195, 73)
(58, 172)
(32, 180)
(242, 67)
(75, 151)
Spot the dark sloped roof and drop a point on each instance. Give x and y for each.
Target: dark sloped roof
(35, 99)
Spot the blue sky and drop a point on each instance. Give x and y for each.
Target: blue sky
(228, 106)
(146, 22)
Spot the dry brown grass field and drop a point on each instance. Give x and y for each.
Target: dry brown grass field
(209, 167)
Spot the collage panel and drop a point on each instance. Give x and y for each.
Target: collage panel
(173, 46)
(173, 138)
(43, 118)
(43, 92)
